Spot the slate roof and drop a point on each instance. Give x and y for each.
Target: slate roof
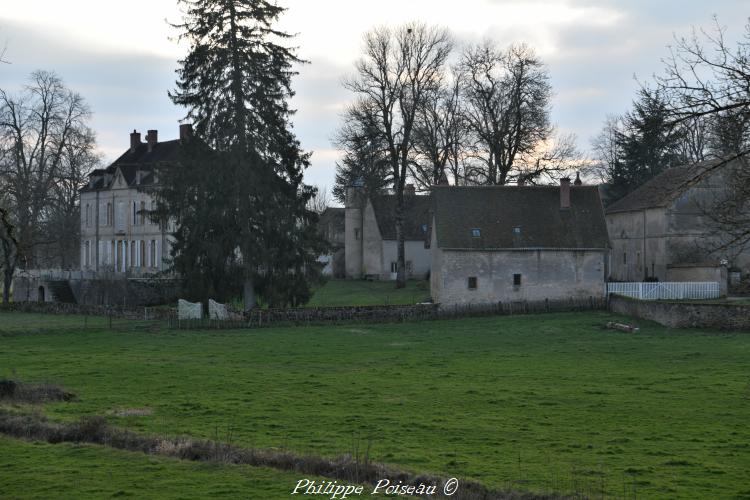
(662, 190)
(128, 163)
(416, 216)
(535, 210)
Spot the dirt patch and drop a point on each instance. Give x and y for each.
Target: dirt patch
(20, 392)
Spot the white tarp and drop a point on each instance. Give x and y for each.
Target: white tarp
(217, 311)
(189, 310)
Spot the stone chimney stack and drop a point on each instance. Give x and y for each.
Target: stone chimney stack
(186, 131)
(578, 181)
(135, 141)
(151, 139)
(565, 193)
(410, 190)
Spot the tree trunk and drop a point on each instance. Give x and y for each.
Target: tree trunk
(401, 260)
(248, 295)
(7, 283)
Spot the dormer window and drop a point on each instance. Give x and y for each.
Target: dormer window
(424, 228)
(517, 230)
(476, 233)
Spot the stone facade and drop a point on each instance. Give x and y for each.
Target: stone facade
(517, 244)
(663, 224)
(509, 276)
(117, 233)
(369, 252)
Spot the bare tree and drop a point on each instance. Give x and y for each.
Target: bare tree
(399, 69)
(320, 201)
(439, 135)
(705, 77)
(45, 151)
(9, 249)
(507, 96)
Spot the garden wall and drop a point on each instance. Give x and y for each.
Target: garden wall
(684, 314)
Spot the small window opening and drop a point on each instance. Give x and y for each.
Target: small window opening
(517, 230)
(516, 280)
(472, 283)
(476, 233)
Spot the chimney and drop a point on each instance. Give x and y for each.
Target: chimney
(151, 139)
(578, 181)
(564, 193)
(409, 190)
(135, 141)
(186, 131)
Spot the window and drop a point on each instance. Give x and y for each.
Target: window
(143, 213)
(516, 280)
(638, 260)
(153, 254)
(142, 260)
(424, 228)
(356, 233)
(472, 282)
(476, 233)
(394, 267)
(517, 230)
(87, 253)
(625, 258)
(132, 252)
(110, 215)
(135, 215)
(153, 209)
(88, 215)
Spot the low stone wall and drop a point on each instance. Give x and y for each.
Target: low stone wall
(135, 313)
(388, 314)
(684, 314)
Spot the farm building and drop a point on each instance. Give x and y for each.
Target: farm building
(511, 243)
(370, 227)
(662, 231)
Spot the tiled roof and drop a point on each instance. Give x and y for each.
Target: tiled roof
(507, 217)
(129, 163)
(416, 215)
(662, 189)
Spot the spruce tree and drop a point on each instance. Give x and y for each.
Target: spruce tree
(250, 198)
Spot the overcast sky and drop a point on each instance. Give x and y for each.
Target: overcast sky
(119, 55)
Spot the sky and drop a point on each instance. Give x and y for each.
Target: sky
(122, 56)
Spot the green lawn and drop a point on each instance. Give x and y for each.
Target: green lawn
(551, 402)
(369, 293)
(70, 471)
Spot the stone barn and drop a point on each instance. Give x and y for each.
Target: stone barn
(494, 244)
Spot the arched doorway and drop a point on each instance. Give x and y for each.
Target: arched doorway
(40, 294)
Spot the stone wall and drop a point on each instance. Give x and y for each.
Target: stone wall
(544, 274)
(685, 314)
(118, 292)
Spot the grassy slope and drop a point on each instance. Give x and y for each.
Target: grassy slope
(69, 471)
(368, 293)
(545, 400)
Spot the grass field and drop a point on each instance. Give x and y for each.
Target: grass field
(369, 293)
(551, 402)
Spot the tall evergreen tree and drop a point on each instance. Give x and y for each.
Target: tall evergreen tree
(648, 143)
(251, 201)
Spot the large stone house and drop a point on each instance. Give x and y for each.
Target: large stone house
(494, 244)
(117, 235)
(332, 227)
(370, 235)
(661, 230)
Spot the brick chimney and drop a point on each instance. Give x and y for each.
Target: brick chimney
(564, 193)
(410, 190)
(152, 139)
(186, 131)
(135, 141)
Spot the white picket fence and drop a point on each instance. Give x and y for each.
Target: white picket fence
(661, 291)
